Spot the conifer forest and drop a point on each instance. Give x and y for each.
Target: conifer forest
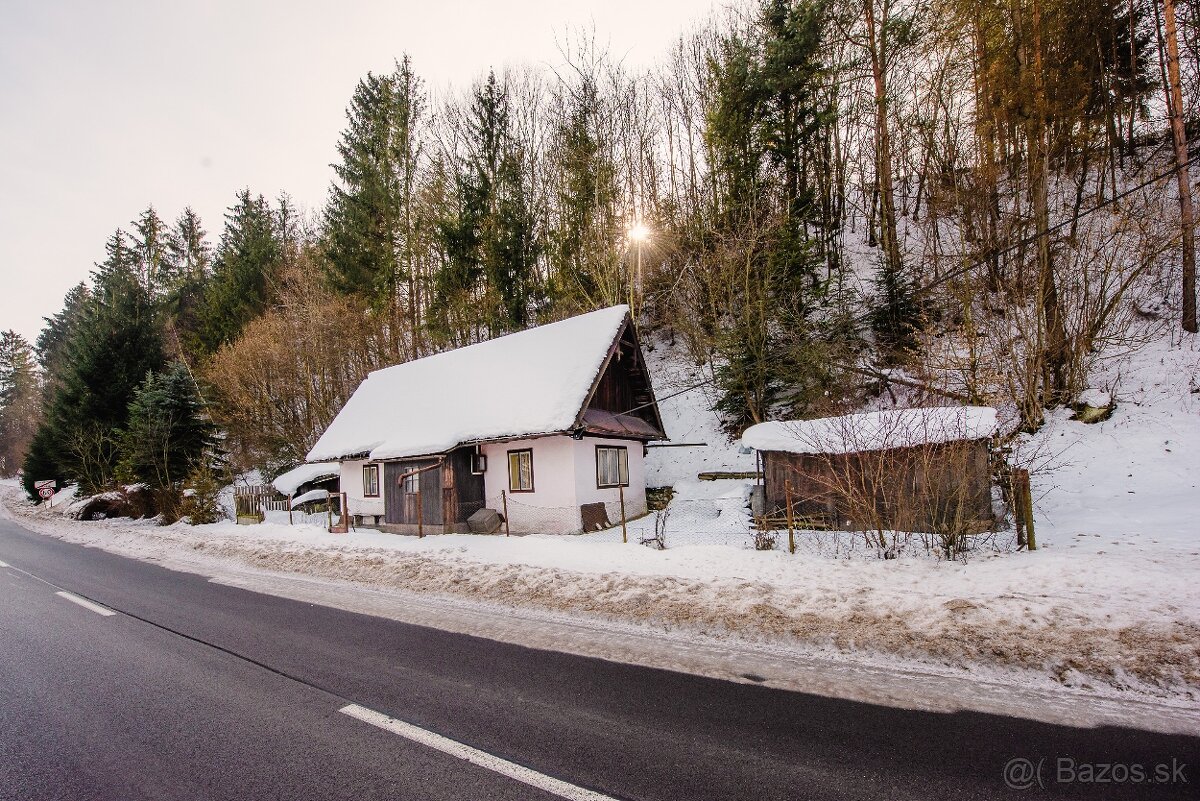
(827, 199)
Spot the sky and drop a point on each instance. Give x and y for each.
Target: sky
(108, 106)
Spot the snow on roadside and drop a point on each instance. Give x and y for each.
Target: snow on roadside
(1111, 602)
(1014, 611)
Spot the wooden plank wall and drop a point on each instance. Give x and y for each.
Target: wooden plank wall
(911, 488)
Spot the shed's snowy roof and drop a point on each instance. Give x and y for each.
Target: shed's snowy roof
(289, 482)
(311, 495)
(531, 382)
(874, 431)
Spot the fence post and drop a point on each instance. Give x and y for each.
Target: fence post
(329, 511)
(290, 497)
(624, 531)
(1026, 506)
(504, 501)
(787, 499)
(420, 515)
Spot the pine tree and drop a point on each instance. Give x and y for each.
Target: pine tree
(20, 400)
(582, 242)
(244, 274)
(42, 463)
(168, 433)
(152, 252)
(490, 240)
(189, 266)
(59, 328)
(763, 129)
(114, 344)
(896, 317)
(371, 237)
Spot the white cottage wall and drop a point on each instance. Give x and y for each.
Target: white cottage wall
(351, 475)
(552, 507)
(586, 489)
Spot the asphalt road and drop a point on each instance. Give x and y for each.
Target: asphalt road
(200, 690)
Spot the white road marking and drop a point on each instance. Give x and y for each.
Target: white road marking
(86, 604)
(473, 755)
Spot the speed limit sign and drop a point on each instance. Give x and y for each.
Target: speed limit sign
(46, 492)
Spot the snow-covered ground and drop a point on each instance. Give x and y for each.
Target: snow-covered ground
(1108, 607)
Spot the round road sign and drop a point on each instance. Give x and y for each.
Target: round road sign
(46, 492)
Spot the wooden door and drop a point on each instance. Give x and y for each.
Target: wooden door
(401, 496)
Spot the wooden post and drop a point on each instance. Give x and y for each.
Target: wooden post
(328, 511)
(290, 497)
(624, 531)
(1018, 506)
(420, 514)
(787, 498)
(504, 501)
(1023, 501)
(1027, 510)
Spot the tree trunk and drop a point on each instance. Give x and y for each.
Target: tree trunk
(1179, 135)
(877, 44)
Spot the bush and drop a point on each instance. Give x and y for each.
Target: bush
(201, 498)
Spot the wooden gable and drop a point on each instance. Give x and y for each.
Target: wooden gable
(621, 401)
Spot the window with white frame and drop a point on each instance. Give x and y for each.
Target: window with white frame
(612, 466)
(520, 470)
(411, 483)
(370, 481)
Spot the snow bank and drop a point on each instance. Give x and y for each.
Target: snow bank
(528, 383)
(874, 431)
(289, 482)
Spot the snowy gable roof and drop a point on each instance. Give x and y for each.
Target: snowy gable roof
(531, 382)
(874, 431)
(289, 482)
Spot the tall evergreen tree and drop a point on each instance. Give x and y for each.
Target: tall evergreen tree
(244, 275)
(371, 237)
(151, 244)
(582, 242)
(57, 331)
(763, 129)
(189, 267)
(491, 239)
(188, 251)
(114, 344)
(168, 434)
(20, 400)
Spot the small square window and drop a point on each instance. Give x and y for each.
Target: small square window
(612, 466)
(520, 471)
(370, 481)
(410, 484)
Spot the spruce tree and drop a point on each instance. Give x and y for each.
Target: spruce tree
(114, 344)
(20, 400)
(582, 242)
(58, 330)
(167, 434)
(151, 245)
(491, 239)
(244, 275)
(189, 266)
(763, 130)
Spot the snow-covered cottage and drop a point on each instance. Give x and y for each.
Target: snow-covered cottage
(552, 420)
(910, 469)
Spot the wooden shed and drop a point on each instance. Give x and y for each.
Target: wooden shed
(924, 469)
